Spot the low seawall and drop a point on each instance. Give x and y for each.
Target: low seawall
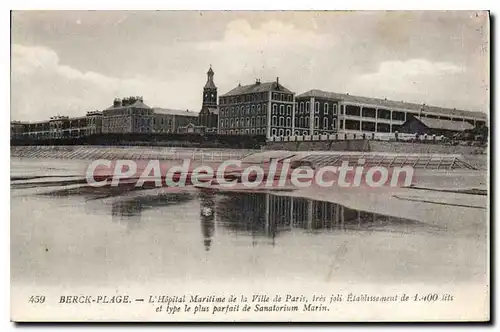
(376, 146)
(127, 152)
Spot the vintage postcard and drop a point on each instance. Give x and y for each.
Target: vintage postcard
(251, 166)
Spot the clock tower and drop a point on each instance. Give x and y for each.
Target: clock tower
(210, 90)
(209, 114)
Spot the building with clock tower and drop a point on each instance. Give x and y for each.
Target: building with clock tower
(209, 114)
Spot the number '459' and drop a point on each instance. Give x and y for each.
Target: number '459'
(37, 299)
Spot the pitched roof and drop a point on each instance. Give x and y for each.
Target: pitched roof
(390, 103)
(159, 110)
(137, 104)
(256, 87)
(445, 124)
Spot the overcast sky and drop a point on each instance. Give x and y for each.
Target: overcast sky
(71, 62)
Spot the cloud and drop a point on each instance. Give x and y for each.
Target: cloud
(43, 87)
(422, 81)
(172, 74)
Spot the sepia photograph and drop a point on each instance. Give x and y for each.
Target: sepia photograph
(249, 166)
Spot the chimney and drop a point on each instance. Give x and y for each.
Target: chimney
(277, 81)
(257, 81)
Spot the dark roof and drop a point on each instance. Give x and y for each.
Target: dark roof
(256, 87)
(390, 103)
(445, 124)
(169, 111)
(138, 104)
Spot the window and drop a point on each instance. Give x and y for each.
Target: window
(352, 110)
(334, 124)
(282, 121)
(248, 122)
(368, 112)
(289, 110)
(248, 110)
(275, 120)
(316, 122)
(368, 126)
(237, 122)
(281, 132)
(301, 107)
(222, 123)
(400, 116)
(282, 109)
(288, 122)
(274, 132)
(307, 121)
(307, 106)
(288, 132)
(383, 128)
(325, 108)
(383, 113)
(325, 123)
(316, 107)
(253, 110)
(352, 125)
(275, 109)
(258, 109)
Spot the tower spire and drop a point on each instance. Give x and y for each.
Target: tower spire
(210, 79)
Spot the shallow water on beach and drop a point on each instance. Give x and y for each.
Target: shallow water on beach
(70, 234)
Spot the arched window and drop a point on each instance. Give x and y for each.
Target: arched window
(275, 120)
(316, 121)
(301, 107)
(288, 122)
(334, 109)
(334, 124)
(253, 110)
(282, 109)
(282, 121)
(237, 122)
(289, 110)
(274, 132)
(288, 132)
(325, 123)
(325, 108)
(258, 109)
(307, 121)
(307, 106)
(275, 109)
(281, 132)
(248, 122)
(316, 107)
